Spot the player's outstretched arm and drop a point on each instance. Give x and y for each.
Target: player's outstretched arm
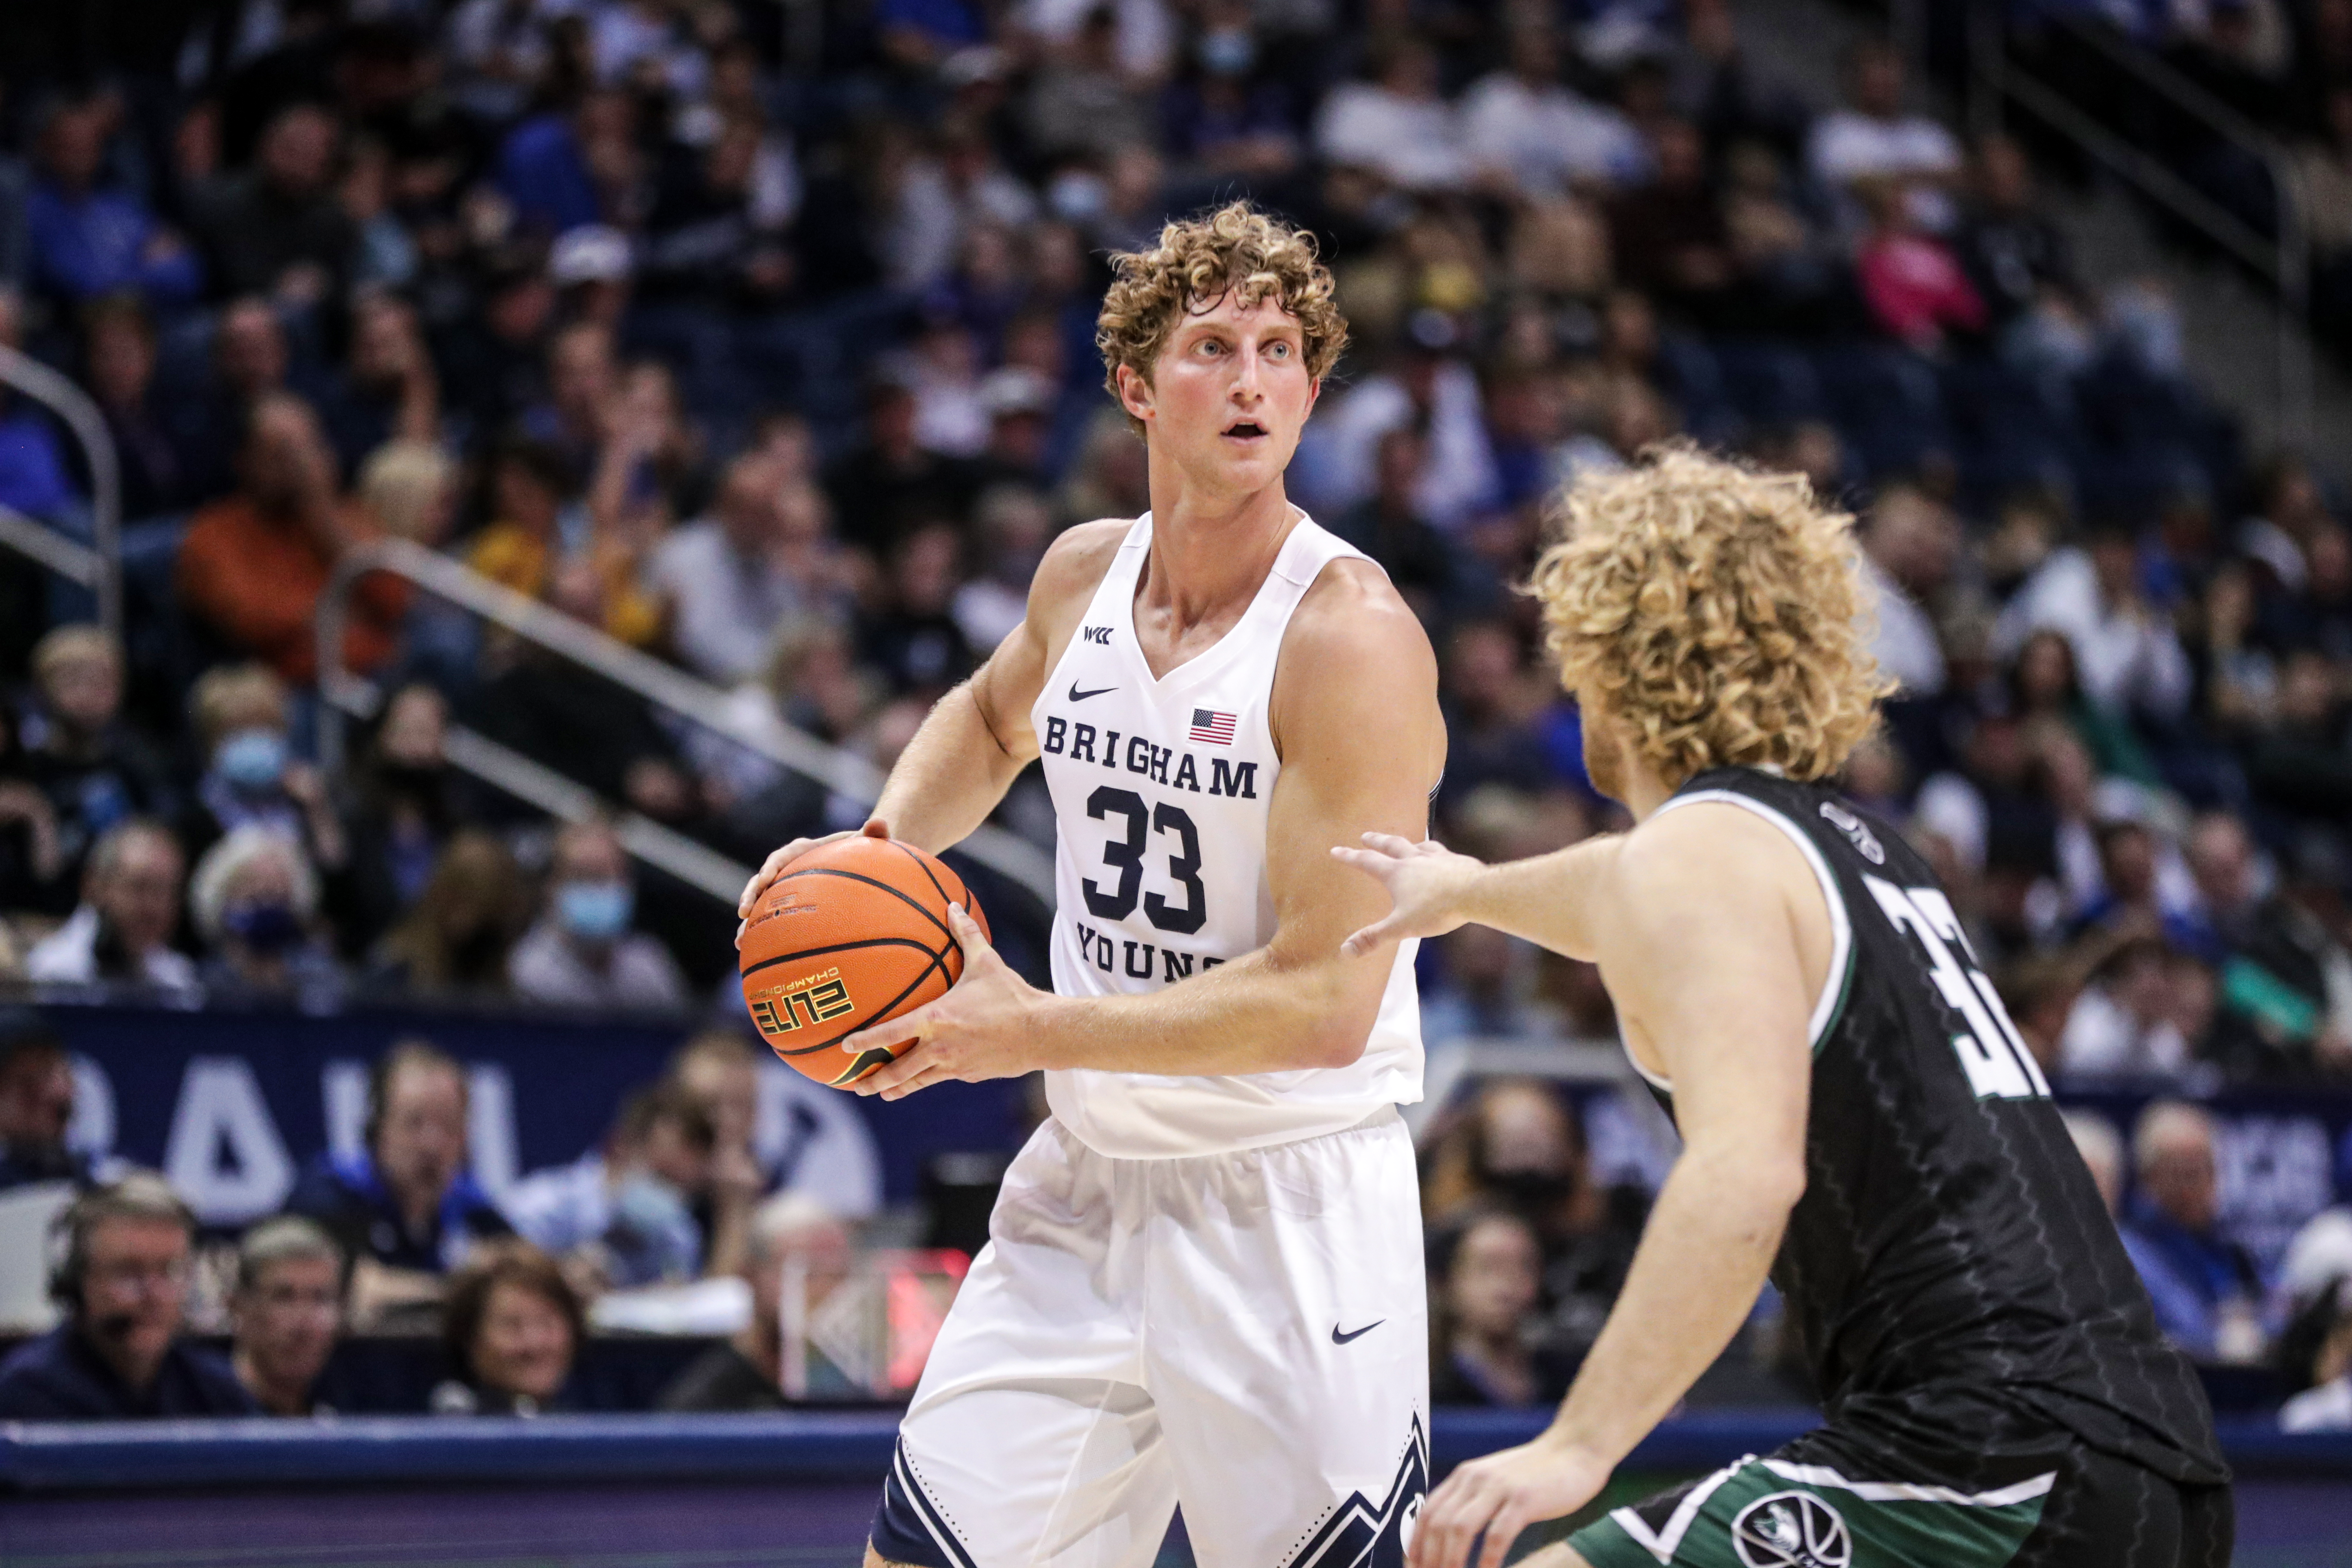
(977, 738)
(1355, 715)
(1702, 951)
(1549, 899)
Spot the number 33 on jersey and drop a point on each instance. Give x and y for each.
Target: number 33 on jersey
(1990, 1049)
(1161, 785)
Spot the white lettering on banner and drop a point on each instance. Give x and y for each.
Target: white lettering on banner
(343, 1097)
(91, 1130)
(2275, 1172)
(223, 1153)
(816, 1140)
(490, 1127)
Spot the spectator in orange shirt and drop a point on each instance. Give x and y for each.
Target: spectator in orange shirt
(255, 561)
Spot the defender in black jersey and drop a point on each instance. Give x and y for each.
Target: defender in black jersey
(1995, 1387)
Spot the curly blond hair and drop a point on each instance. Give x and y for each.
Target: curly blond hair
(1715, 611)
(1236, 250)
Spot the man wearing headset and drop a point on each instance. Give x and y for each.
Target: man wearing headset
(403, 1208)
(122, 1281)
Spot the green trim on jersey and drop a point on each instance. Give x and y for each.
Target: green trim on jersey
(1837, 1009)
(1772, 1514)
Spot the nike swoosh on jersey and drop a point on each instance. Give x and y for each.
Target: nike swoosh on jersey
(1339, 1339)
(1079, 696)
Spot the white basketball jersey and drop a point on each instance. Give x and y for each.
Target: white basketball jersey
(1160, 787)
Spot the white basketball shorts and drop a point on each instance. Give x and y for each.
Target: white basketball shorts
(1243, 1333)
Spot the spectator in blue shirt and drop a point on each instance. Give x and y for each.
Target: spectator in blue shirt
(87, 241)
(33, 478)
(546, 166)
(2207, 1289)
(403, 1207)
(625, 1211)
(124, 1286)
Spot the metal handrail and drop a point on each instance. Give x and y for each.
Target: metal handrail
(2285, 256)
(346, 692)
(96, 566)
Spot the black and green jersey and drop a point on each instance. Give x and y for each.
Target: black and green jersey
(1955, 1278)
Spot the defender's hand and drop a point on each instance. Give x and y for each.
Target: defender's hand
(1500, 1495)
(1426, 881)
(981, 1029)
(777, 864)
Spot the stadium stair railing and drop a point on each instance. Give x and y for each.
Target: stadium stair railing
(95, 563)
(1995, 80)
(346, 694)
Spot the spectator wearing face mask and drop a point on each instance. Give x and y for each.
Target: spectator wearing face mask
(512, 1328)
(121, 932)
(286, 1314)
(251, 777)
(255, 900)
(36, 1103)
(124, 1284)
(403, 1207)
(1521, 1149)
(585, 952)
(623, 1214)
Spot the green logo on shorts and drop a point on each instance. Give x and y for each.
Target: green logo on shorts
(1791, 1530)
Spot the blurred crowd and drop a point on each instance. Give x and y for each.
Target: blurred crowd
(767, 350)
(2254, 112)
(670, 1225)
(760, 341)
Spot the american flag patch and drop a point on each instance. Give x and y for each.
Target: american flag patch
(1212, 727)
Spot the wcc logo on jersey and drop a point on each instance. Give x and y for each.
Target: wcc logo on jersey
(1361, 1533)
(1791, 1530)
(1864, 841)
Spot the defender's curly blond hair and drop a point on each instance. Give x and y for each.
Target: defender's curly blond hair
(1236, 250)
(1716, 611)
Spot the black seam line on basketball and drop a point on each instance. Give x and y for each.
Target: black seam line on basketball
(939, 961)
(911, 903)
(924, 867)
(750, 969)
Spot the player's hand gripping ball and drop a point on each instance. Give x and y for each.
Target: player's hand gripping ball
(852, 934)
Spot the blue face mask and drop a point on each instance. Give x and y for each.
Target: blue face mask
(267, 928)
(649, 1208)
(252, 760)
(1229, 51)
(594, 911)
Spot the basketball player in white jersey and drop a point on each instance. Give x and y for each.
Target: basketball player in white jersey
(1205, 1283)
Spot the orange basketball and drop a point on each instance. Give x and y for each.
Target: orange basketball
(856, 933)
